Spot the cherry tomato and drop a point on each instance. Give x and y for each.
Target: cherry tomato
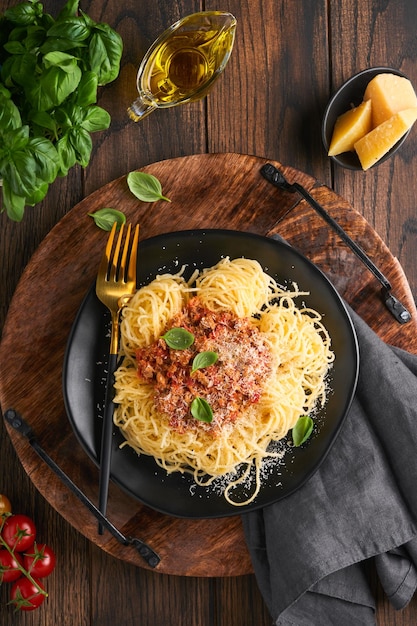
(25, 595)
(41, 560)
(19, 532)
(9, 566)
(5, 504)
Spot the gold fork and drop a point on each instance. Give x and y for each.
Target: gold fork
(116, 279)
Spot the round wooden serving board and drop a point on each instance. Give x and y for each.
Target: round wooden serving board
(207, 191)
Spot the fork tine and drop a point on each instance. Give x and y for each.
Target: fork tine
(131, 270)
(122, 269)
(113, 265)
(105, 259)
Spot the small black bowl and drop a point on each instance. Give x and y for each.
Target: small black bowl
(351, 95)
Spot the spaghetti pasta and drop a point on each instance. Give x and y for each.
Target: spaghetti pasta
(273, 358)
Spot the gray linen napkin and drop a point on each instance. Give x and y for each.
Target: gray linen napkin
(310, 551)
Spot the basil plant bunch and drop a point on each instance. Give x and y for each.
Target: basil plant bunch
(50, 70)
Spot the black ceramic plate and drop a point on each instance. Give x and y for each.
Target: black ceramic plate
(85, 370)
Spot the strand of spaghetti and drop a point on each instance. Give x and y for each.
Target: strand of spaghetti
(233, 483)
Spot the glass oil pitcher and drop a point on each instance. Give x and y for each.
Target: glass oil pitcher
(182, 64)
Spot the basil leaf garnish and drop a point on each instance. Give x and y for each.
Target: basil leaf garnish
(201, 410)
(105, 218)
(302, 430)
(204, 359)
(178, 338)
(146, 187)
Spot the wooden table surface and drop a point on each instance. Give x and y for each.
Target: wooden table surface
(269, 103)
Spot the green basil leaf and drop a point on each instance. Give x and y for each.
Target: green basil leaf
(53, 87)
(14, 47)
(201, 410)
(87, 89)
(10, 31)
(70, 115)
(105, 218)
(146, 187)
(9, 114)
(72, 28)
(59, 44)
(46, 157)
(302, 430)
(12, 202)
(97, 55)
(82, 143)
(63, 60)
(105, 51)
(20, 69)
(64, 117)
(59, 83)
(19, 166)
(38, 195)
(70, 8)
(36, 35)
(4, 92)
(39, 97)
(96, 119)
(17, 138)
(20, 172)
(178, 338)
(204, 359)
(44, 120)
(66, 153)
(24, 13)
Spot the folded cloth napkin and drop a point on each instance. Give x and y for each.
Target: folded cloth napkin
(311, 550)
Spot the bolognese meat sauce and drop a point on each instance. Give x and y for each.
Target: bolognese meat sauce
(230, 385)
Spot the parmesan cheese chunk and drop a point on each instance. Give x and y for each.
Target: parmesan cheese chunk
(376, 143)
(389, 94)
(350, 127)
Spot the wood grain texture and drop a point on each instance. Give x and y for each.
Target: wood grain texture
(269, 102)
(271, 109)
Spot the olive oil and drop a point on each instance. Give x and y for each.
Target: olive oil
(184, 61)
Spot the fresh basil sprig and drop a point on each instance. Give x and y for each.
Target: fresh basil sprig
(178, 338)
(204, 359)
(145, 187)
(50, 70)
(201, 410)
(302, 430)
(105, 218)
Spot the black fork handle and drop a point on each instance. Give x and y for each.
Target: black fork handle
(106, 439)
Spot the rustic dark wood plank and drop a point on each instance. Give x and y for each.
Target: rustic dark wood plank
(238, 602)
(146, 598)
(271, 100)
